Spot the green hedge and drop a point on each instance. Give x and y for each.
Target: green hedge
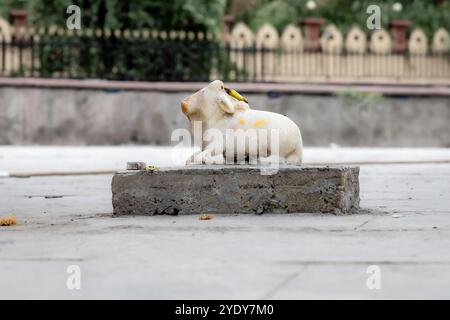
(194, 15)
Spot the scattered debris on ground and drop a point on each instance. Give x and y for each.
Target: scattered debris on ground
(206, 216)
(53, 197)
(6, 221)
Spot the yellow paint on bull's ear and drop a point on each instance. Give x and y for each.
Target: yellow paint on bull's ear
(242, 121)
(236, 95)
(259, 123)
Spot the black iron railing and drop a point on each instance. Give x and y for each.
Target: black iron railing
(116, 58)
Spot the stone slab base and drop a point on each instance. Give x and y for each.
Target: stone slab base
(236, 189)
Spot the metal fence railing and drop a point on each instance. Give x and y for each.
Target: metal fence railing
(106, 57)
(155, 57)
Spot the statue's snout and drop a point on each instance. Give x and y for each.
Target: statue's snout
(185, 106)
(190, 104)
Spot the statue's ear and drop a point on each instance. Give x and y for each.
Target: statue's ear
(226, 104)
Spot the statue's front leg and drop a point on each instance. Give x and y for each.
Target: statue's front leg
(194, 158)
(206, 156)
(209, 158)
(213, 154)
(272, 159)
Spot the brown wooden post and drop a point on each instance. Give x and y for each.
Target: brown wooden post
(19, 22)
(312, 31)
(398, 31)
(228, 21)
(19, 18)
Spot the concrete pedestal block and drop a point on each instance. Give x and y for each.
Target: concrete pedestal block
(236, 189)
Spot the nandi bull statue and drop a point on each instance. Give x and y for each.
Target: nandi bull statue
(224, 113)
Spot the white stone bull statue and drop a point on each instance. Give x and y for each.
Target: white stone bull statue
(220, 112)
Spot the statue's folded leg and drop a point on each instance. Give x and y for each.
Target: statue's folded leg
(271, 160)
(193, 159)
(205, 157)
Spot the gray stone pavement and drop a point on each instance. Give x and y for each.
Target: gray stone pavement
(66, 220)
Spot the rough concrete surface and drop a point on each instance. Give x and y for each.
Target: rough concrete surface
(236, 189)
(68, 220)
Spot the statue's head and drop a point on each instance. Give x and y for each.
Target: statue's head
(210, 100)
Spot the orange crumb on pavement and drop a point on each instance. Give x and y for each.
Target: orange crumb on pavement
(206, 216)
(8, 221)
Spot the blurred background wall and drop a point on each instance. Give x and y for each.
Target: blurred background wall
(99, 116)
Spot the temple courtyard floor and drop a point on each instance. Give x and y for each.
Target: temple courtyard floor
(398, 246)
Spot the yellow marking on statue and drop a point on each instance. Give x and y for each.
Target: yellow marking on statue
(259, 123)
(236, 95)
(242, 121)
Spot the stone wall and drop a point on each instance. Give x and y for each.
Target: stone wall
(91, 116)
